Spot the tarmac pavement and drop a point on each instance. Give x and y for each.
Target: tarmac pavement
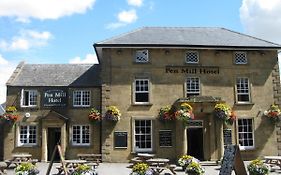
(121, 169)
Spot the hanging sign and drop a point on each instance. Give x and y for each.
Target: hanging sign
(54, 97)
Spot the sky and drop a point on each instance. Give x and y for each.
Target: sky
(64, 31)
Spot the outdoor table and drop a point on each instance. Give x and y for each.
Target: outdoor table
(145, 156)
(21, 156)
(74, 163)
(158, 165)
(93, 157)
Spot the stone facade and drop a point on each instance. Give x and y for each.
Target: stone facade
(164, 77)
(168, 84)
(54, 115)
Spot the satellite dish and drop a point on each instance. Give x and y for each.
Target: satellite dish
(27, 115)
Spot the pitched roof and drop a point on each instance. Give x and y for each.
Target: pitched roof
(186, 37)
(55, 75)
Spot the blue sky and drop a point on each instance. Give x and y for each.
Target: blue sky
(50, 31)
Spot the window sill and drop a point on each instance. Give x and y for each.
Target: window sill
(142, 104)
(244, 103)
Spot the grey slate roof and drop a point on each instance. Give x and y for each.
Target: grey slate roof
(186, 36)
(56, 75)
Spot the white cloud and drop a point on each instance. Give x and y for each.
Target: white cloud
(23, 10)
(124, 18)
(90, 59)
(262, 18)
(6, 70)
(26, 40)
(137, 3)
(127, 16)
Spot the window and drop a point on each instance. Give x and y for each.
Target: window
(80, 135)
(245, 133)
(192, 86)
(192, 57)
(81, 98)
(142, 56)
(242, 90)
(240, 58)
(27, 135)
(141, 91)
(143, 135)
(29, 98)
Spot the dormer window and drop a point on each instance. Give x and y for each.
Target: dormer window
(142, 56)
(240, 58)
(192, 57)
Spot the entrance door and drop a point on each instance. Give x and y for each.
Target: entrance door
(54, 136)
(195, 142)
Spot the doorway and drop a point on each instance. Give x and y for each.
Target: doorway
(54, 136)
(195, 143)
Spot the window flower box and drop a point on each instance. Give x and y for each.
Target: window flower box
(257, 167)
(10, 115)
(112, 114)
(273, 113)
(223, 112)
(94, 116)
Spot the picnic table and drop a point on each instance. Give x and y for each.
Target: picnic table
(18, 158)
(158, 165)
(70, 165)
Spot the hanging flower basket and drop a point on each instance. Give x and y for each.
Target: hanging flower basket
(223, 112)
(112, 114)
(257, 167)
(184, 113)
(10, 115)
(273, 113)
(94, 116)
(166, 114)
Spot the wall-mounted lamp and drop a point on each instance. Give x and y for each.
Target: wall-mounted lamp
(167, 52)
(27, 115)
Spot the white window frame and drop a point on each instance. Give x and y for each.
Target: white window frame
(192, 92)
(241, 81)
(193, 52)
(81, 98)
(245, 131)
(135, 92)
(32, 94)
(138, 53)
(81, 135)
(28, 133)
(136, 149)
(236, 59)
